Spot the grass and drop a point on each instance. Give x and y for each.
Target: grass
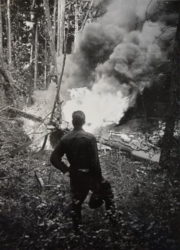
(31, 218)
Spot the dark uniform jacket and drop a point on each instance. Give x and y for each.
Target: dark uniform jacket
(81, 151)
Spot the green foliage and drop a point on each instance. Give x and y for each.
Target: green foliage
(11, 137)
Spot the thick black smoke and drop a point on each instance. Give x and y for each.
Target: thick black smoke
(128, 45)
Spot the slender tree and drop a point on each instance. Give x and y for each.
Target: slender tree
(1, 32)
(60, 26)
(50, 33)
(55, 20)
(61, 41)
(76, 32)
(9, 33)
(45, 65)
(36, 57)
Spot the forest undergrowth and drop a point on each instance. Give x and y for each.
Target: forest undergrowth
(35, 203)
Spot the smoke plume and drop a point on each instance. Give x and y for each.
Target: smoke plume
(117, 57)
(41, 108)
(115, 60)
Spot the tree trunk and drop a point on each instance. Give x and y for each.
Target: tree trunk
(60, 42)
(33, 3)
(54, 20)
(60, 27)
(1, 32)
(76, 32)
(165, 159)
(50, 32)
(45, 65)
(8, 85)
(31, 55)
(87, 15)
(36, 57)
(9, 33)
(57, 100)
(32, 47)
(24, 114)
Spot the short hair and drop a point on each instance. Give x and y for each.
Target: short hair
(78, 118)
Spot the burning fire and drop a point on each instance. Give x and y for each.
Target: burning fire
(115, 59)
(99, 104)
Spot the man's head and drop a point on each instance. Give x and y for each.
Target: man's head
(78, 119)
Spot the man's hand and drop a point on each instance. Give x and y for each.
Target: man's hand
(67, 174)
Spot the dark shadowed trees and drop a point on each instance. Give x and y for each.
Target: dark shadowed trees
(169, 141)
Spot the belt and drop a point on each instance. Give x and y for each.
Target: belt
(83, 170)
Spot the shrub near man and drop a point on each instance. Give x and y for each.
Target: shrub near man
(81, 151)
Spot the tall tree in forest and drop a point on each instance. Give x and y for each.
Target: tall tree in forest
(36, 56)
(54, 19)
(9, 33)
(174, 105)
(50, 33)
(60, 26)
(60, 42)
(1, 32)
(76, 31)
(45, 64)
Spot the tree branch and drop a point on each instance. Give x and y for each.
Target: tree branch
(24, 114)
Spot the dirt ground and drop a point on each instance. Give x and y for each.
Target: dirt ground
(38, 217)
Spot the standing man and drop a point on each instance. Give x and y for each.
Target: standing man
(81, 151)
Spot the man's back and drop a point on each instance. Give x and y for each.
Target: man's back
(81, 150)
(79, 147)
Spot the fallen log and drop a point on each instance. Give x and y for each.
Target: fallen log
(115, 144)
(4, 108)
(24, 114)
(138, 154)
(146, 156)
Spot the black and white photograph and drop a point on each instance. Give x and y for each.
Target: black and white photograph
(89, 124)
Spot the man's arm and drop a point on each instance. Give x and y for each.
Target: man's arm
(96, 168)
(56, 158)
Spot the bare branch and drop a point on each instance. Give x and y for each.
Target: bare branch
(24, 114)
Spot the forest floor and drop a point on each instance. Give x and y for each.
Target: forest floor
(35, 217)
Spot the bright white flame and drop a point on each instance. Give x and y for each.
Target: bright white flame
(102, 105)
